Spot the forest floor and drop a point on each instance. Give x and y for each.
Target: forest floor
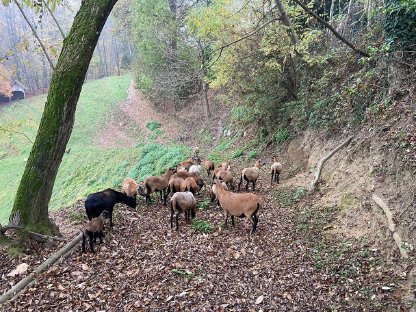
(291, 263)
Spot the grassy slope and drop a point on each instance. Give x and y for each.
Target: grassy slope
(78, 173)
(88, 167)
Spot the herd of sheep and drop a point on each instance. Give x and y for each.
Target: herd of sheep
(183, 182)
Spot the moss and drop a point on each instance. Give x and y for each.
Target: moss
(348, 201)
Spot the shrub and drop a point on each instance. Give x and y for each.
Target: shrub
(281, 135)
(252, 155)
(237, 153)
(153, 125)
(201, 226)
(204, 204)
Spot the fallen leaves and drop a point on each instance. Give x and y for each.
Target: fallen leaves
(20, 269)
(259, 299)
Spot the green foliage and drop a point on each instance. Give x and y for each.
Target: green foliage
(237, 153)
(204, 205)
(153, 125)
(242, 114)
(155, 159)
(252, 155)
(400, 23)
(186, 274)
(201, 226)
(281, 135)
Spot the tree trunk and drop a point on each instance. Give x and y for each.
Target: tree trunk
(286, 21)
(35, 34)
(173, 44)
(30, 208)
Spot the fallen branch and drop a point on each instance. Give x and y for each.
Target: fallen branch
(322, 162)
(62, 253)
(33, 235)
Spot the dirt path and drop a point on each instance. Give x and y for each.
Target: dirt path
(126, 125)
(288, 265)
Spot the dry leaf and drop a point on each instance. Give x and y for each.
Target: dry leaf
(20, 269)
(259, 299)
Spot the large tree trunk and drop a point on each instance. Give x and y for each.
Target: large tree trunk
(30, 208)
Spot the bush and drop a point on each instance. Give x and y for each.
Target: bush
(201, 226)
(153, 125)
(237, 153)
(204, 204)
(281, 135)
(252, 155)
(400, 23)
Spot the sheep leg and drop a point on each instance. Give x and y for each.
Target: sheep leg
(241, 181)
(226, 219)
(84, 238)
(100, 236)
(177, 220)
(91, 241)
(247, 185)
(161, 195)
(255, 220)
(232, 221)
(277, 177)
(171, 216)
(111, 220)
(271, 180)
(254, 185)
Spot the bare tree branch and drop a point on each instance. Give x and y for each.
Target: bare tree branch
(13, 131)
(35, 34)
(332, 29)
(54, 18)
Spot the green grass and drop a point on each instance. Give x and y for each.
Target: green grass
(201, 226)
(87, 167)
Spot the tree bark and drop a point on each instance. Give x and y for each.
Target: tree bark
(286, 21)
(332, 29)
(30, 208)
(35, 34)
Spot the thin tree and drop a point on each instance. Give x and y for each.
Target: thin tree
(54, 19)
(287, 22)
(35, 34)
(30, 209)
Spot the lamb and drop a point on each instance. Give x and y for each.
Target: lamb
(195, 169)
(196, 151)
(238, 205)
(209, 166)
(226, 176)
(251, 174)
(96, 203)
(223, 166)
(197, 178)
(92, 228)
(175, 185)
(276, 169)
(189, 184)
(130, 187)
(158, 183)
(182, 202)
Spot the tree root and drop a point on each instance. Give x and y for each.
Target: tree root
(32, 235)
(322, 162)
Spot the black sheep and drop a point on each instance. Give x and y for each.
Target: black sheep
(96, 203)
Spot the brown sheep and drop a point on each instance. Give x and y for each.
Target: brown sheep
(94, 228)
(130, 187)
(185, 164)
(184, 175)
(239, 205)
(214, 191)
(275, 171)
(182, 202)
(158, 183)
(190, 185)
(226, 176)
(175, 185)
(251, 174)
(209, 166)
